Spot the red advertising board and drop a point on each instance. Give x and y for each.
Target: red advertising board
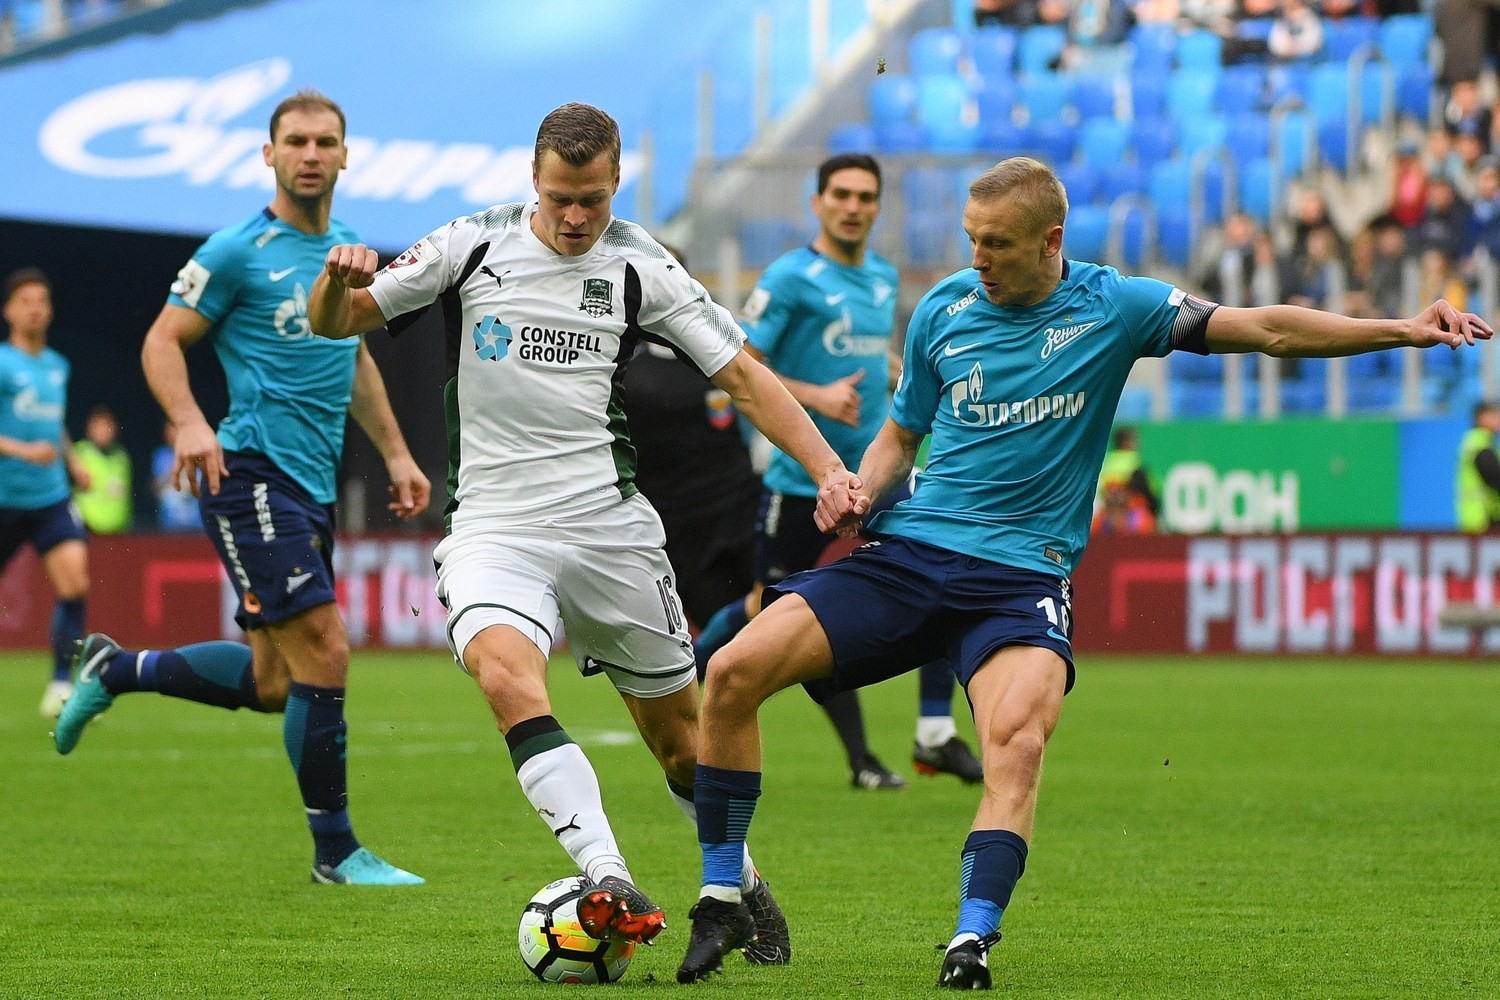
(1364, 593)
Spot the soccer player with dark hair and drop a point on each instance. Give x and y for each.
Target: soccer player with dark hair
(821, 318)
(543, 304)
(38, 469)
(266, 481)
(1015, 366)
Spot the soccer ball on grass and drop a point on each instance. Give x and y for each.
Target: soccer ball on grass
(554, 945)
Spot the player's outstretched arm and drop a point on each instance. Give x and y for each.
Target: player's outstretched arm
(886, 464)
(370, 406)
(162, 357)
(1296, 332)
(341, 305)
(767, 404)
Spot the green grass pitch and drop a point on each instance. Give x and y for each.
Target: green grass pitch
(1208, 828)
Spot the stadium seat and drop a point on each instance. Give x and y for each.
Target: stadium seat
(1257, 197)
(1052, 141)
(1404, 38)
(1153, 47)
(1094, 95)
(1190, 93)
(1169, 184)
(1294, 149)
(1289, 80)
(1134, 239)
(1103, 141)
(1196, 399)
(1038, 48)
(851, 137)
(1328, 92)
(1081, 181)
(1414, 92)
(1254, 29)
(929, 237)
(900, 137)
(1200, 50)
(1120, 180)
(1185, 366)
(944, 107)
(763, 240)
(993, 50)
(1308, 392)
(1249, 137)
(892, 98)
(1153, 139)
(1148, 96)
(1174, 236)
(1134, 406)
(1374, 93)
(995, 100)
(1242, 89)
(935, 52)
(1045, 96)
(1206, 131)
(927, 189)
(1342, 37)
(1333, 145)
(1086, 233)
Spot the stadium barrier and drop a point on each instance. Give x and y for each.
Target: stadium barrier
(1368, 593)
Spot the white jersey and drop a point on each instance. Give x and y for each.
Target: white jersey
(537, 344)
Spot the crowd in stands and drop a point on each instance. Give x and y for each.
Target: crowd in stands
(24, 23)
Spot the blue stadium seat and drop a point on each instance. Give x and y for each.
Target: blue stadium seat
(1196, 399)
(1242, 89)
(1333, 145)
(1122, 179)
(1372, 91)
(929, 237)
(927, 189)
(993, 49)
(1135, 405)
(1045, 96)
(1206, 131)
(763, 240)
(900, 137)
(1343, 36)
(1291, 143)
(1213, 190)
(1169, 185)
(1002, 138)
(1148, 96)
(1174, 239)
(1153, 139)
(1249, 137)
(1289, 80)
(1153, 46)
(1404, 38)
(1053, 141)
(1103, 141)
(1308, 392)
(1133, 241)
(1094, 95)
(1038, 48)
(1185, 366)
(1257, 198)
(1414, 92)
(851, 137)
(1372, 381)
(935, 52)
(1081, 181)
(1200, 49)
(943, 107)
(1086, 232)
(1254, 28)
(1190, 93)
(1328, 92)
(892, 98)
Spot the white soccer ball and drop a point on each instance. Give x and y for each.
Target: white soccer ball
(554, 945)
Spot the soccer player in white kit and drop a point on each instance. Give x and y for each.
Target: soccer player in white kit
(543, 304)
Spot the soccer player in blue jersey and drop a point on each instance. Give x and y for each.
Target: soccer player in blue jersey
(821, 318)
(36, 466)
(266, 481)
(1015, 367)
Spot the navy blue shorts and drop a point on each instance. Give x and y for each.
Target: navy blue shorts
(45, 528)
(788, 541)
(894, 604)
(274, 539)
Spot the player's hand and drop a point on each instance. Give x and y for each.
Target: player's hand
(35, 452)
(840, 400)
(410, 491)
(1441, 323)
(198, 450)
(841, 504)
(352, 265)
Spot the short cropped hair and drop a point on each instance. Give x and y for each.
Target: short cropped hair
(578, 133)
(307, 100)
(847, 161)
(25, 276)
(1043, 198)
(1485, 407)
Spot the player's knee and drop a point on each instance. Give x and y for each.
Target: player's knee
(271, 692)
(733, 681)
(1016, 752)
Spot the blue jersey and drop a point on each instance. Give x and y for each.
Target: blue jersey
(817, 321)
(33, 402)
(289, 390)
(1019, 401)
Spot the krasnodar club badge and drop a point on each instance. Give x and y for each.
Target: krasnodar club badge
(598, 297)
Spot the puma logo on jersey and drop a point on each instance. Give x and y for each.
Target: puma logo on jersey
(1061, 336)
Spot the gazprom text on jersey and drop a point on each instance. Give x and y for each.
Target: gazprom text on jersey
(1025, 411)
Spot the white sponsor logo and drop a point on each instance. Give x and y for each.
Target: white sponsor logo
(882, 292)
(278, 275)
(839, 340)
(834, 300)
(1062, 336)
(294, 582)
(291, 316)
(27, 406)
(949, 350)
(210, 131)
(964, 303)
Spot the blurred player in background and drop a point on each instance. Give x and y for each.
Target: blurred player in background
(1015, 367)
(38, 469)
(1476, 483)
(266, 481)
(544, 303)
(821, 319)
(694, 467)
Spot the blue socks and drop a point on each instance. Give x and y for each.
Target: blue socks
(935, 689)
(990, 866)
(314, 733)
(723, 626)
(211, 673)
(65, 632)
(726, 802)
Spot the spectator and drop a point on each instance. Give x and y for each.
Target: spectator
(1232, 264)
(1265, 281)
(1468, 149)
(1123, 476)
(1360, 284)
(1464, 111)
(1297, 32)
(176, 509)
(1476, 487)
(105, 503)
(1445, 224)
(1441, 157)
(1007, 13)
(1441, 278)
(1390, 257)
(1309, 277)
(1408, 186)
(1312, 214)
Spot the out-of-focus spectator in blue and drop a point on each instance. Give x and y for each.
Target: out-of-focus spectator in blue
(176, 510)
(1484, 211)
(1008, 13)
(1308, 277)
(1096, 29)
(1465, 110)
(1445, 223)
(1297, 32)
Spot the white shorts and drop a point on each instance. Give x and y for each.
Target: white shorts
(604, 576)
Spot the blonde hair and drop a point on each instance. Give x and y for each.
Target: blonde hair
(1043, 199)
